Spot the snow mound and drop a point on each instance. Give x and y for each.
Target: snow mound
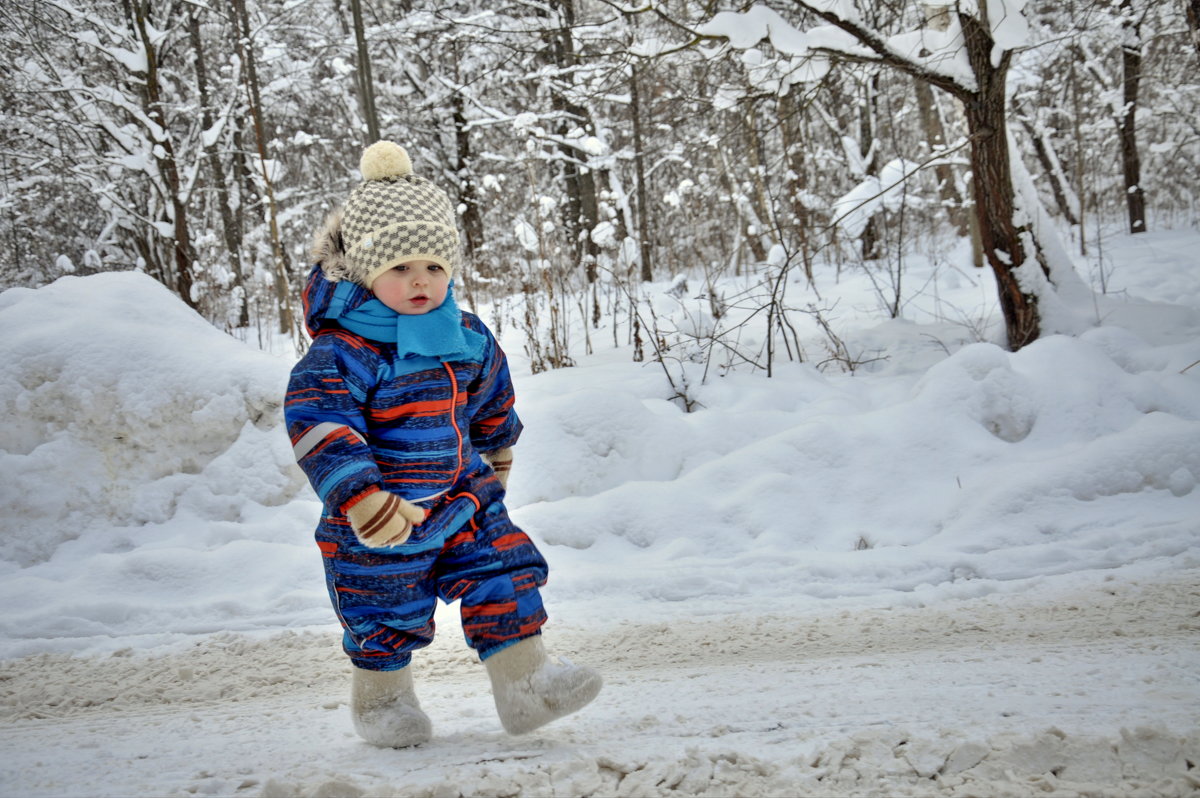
(1071, 454)
(124, 407)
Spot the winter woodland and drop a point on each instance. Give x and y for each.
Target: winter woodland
(594, 145)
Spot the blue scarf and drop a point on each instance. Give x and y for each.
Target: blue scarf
(438, 334)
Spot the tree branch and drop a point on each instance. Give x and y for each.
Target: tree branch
(885, 55)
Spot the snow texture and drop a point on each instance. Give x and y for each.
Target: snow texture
(957, 571)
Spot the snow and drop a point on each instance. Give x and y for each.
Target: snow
(939, 52)
(1010, 28)
(129, 59)
(854, 209)
(527, 235)
(746, 29)
(957, 570)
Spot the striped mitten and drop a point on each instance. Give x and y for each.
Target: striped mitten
(501, 462)
(383, 519)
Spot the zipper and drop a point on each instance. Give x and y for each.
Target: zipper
(454, 422)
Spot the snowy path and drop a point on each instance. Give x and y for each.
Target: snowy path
(1093, 690)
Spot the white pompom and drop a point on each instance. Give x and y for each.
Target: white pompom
(384, 159)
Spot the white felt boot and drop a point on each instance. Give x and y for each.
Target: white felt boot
(531, 691)
(385, 709)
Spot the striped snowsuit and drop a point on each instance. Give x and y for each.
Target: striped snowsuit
(363, 418)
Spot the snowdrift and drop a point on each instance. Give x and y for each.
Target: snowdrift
(125, 408)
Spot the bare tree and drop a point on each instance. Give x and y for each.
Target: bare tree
(1191, 9)
(1131, 76)
(581, 214)
(245, 46)
(217, 173)
(1007, 236)
(637, 112)
(363, 79)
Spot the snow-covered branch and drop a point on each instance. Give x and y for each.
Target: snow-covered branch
(937, 57)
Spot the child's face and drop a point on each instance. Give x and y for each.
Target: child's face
(413, 287)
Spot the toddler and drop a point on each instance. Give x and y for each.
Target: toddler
(401, 414)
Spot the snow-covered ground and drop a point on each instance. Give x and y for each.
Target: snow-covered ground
(957, 571)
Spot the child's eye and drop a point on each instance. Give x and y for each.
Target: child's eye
(434, 267)
(403, 267)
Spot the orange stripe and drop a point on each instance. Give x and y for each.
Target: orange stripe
(497, 608)
(465, 536)
(454, 420)
(430, 407)
(434, 481)
(509, 541)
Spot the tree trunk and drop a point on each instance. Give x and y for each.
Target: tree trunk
(1046, 156)
(992, 187)
(230, 229)
(639, 160)
(1077, 131)
(935, 134)
(869, 239)
(1192, 12)
(797, 181)
(468, 197)
(763, 207)
(164, 156)
(581, 213)
(362, 76)
(745, 216)
(283, 301)
(1131, 63)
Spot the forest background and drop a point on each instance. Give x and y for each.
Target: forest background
(592, 146)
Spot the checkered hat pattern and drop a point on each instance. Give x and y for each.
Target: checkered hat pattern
(394, 216)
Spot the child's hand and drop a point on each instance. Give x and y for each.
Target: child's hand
(384, 519)
(501, 462)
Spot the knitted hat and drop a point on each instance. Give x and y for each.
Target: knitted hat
(391, 217)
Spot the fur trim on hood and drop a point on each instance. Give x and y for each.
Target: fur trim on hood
(329, 250)
(330, 268)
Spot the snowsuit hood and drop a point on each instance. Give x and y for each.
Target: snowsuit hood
(329, 256)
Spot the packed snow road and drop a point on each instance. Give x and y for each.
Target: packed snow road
(1088, 690)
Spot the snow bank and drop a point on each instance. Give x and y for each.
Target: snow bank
(1073, 454)
(1145, 761)
(140, 444)
(123, 407)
